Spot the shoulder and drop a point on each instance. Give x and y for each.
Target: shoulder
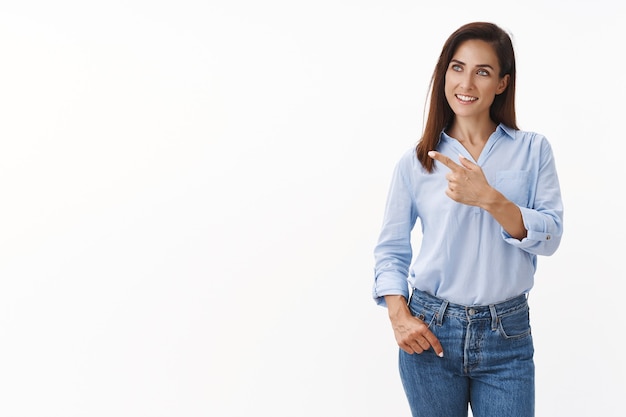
(526, 137)
(407, 166)
(408, 156)
(521, 134)
(408, 161)
(531, 145)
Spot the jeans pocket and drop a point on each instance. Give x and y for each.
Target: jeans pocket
(424, 314)
(515, 325)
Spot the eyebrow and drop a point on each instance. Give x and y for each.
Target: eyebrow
(479, 65)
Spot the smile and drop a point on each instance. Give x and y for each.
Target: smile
(466, 99)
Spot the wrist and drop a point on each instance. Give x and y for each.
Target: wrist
(493, 201)
(397, 307)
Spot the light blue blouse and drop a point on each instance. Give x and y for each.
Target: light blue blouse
(464, 255)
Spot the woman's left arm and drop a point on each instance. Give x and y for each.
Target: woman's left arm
(536, 230)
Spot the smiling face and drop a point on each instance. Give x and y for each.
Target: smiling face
(473, 80)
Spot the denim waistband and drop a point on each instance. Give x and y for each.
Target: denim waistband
(474, 312)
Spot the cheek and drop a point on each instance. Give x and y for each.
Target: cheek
(448, 91)
(490, 85)
(451, 82)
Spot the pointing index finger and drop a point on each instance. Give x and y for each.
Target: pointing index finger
(443, 159)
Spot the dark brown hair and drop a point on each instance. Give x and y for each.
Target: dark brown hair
(440, 115)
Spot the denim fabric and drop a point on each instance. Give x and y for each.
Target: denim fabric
(487, 364)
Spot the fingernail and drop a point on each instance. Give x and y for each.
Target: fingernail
(431, 153)
(440, 355)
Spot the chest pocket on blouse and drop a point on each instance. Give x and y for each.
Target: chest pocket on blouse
(514, 185)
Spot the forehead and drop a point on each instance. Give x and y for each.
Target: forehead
(476, 52)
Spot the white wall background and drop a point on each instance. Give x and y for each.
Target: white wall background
(190, 193)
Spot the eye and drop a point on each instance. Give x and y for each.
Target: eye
(482, 72)
(456, 67)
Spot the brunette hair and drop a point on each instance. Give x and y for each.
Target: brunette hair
(440, 115)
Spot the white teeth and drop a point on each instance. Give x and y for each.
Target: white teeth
(466, 98)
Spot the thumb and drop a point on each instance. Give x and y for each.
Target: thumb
(466, 162)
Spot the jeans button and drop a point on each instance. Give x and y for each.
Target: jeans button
(471, 311)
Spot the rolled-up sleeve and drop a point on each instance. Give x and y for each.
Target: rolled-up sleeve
(544, 219)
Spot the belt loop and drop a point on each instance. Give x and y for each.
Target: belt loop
(442, 310)
(494, 317)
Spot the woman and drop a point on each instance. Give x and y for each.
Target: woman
(488, 200)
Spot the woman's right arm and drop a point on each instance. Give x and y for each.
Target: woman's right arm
(393, 252)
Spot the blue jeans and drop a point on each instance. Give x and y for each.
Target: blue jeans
(487, 363)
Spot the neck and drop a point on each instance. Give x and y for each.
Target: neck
(471, 132)
(472, 136)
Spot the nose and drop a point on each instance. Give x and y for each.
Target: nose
(467, 80)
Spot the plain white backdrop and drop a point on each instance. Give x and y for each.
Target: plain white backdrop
(190, 193)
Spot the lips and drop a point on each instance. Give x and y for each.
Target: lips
(466, 99)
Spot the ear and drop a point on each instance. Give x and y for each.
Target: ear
(503, 84)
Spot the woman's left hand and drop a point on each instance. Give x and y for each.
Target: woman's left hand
(466, 182)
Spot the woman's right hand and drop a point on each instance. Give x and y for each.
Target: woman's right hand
(412, 334)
